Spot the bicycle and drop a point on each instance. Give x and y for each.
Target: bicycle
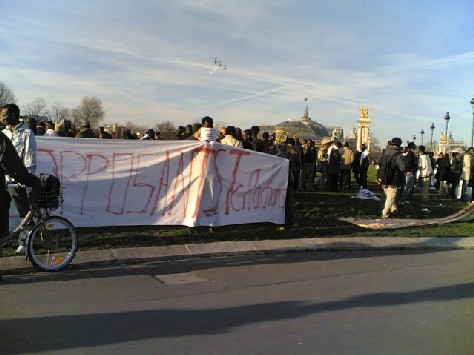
(51, 241)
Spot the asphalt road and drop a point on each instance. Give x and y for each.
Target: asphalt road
(367, 302)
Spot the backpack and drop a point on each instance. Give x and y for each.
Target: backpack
(386, 172)
(50, 195)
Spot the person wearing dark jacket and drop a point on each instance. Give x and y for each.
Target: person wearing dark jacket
(455, 173)
(361, 166)
(410, 172)
(394, 157)
(12, 165)
(442, 173)
(334, 166)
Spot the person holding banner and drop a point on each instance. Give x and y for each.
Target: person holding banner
(283, 150)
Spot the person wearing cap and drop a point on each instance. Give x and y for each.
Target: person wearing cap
(394, 158)
(425, 171)
(410, 173)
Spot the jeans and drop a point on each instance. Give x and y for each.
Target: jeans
(408, 189)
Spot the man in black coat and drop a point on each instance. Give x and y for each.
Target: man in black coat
(12, 165)
(410, 172)
(361, 166)
(392, 166)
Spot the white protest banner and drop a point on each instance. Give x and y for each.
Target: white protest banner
(191, 183)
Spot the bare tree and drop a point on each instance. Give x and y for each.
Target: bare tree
(167, 130)
(75, 115)
(58, 112)
(6, 95)
(37, 108)
(90, 110)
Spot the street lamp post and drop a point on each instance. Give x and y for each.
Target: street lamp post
(447, 118)
(472, 134)
(432, 127)
(422, 132)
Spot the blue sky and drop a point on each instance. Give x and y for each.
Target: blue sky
(150, 61)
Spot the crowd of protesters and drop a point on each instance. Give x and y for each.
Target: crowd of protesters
(404, 169)
(329, 167)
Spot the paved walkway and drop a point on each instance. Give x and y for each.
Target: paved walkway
(83, 259)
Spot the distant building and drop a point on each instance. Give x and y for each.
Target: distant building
(453, 145)
(303, 128)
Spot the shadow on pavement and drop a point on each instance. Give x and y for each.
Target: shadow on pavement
(74, 331)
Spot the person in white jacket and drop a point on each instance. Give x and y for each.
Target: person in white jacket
(467, 163)
(229, 138)
(425, 171)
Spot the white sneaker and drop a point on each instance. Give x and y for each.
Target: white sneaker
(21, 249)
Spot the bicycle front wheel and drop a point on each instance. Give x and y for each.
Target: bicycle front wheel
(52, 244)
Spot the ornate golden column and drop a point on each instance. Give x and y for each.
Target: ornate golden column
(363, 131)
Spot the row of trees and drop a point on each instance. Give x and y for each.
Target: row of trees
(90, 109)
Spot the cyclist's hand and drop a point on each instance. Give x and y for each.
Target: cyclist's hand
(32, 192)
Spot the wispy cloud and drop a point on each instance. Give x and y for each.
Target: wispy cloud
(151, 60)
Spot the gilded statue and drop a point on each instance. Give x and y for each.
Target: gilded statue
(364, 112)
